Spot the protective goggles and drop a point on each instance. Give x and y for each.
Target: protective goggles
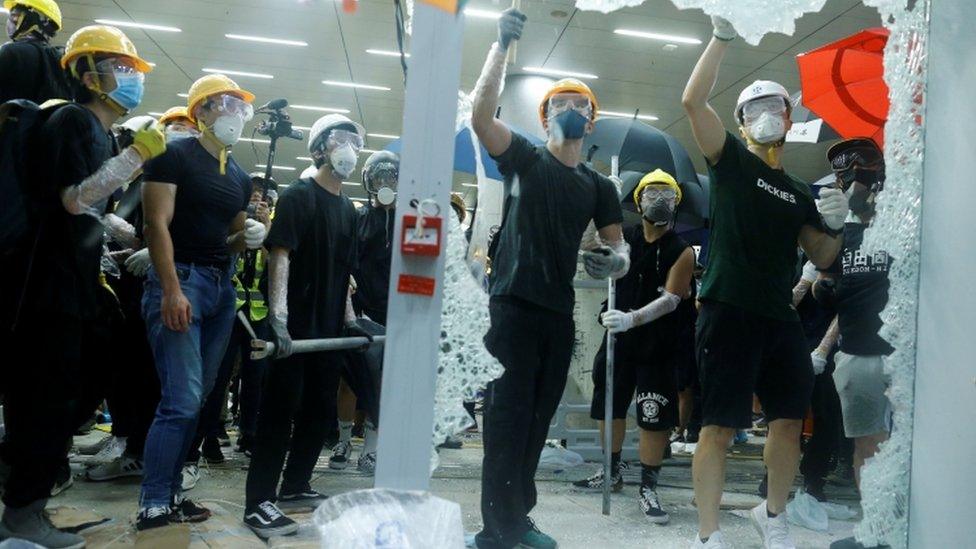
(562, 103)
(863, 164)
(774, 105)
(338, 138)
(652, 194)
(230, 105)
(384, 174)
(116, 65)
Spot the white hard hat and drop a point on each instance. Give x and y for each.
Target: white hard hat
(758, 89)
(137, 123)
(329, 122)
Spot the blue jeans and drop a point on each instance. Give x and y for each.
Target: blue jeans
(187, 364)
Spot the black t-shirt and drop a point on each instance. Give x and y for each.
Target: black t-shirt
(650, 264)
(375, 233)
(70, 146)
(319, 229)
(548, 206)
(32, 70)
(206, 202)
(861, 294)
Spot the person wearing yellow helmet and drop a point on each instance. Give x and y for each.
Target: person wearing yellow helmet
(74, 167)
(551, 198)
(177, 124)
(653, 320)
(750, 339)
(29, 64)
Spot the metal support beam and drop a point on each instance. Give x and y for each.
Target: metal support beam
(426, 171)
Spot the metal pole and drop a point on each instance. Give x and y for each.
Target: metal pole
(263, 349)
(608, 390)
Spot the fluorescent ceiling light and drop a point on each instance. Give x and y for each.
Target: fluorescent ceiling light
(602, 112)
(239, 73)
(350, 183)
(286, 168)
(264, 40)
(304, 158)
(154, 113)
(658, 36)
(354, 85)
(368, 150)
(475, 185)
(151, 64)
(319, 109)
(249, 140)
(303, 128)
(556, 72)
(136, 25)
(482, 14)
(388, 53)
(383, 135)
(4, 10)
(183, 95)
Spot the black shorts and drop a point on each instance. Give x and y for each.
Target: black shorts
(742, 353)
(654, 380)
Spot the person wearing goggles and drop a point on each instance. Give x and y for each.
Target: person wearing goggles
(195, 200)
(551, 198)
(750, 339)
(29, 64)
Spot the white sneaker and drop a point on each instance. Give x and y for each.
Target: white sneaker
(775, 532)
(715, 541)
(122, 466)
(191, 475)
(111, 451)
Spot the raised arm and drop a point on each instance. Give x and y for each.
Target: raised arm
(706, 125)
(493, 134)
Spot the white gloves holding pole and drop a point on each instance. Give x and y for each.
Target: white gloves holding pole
(723, 30)
(833, 207)
(138, 263)
(618, 321)
(254, 233)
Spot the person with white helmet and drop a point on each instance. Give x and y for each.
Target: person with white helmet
(551, 197)
(313, 250)
(195, 199)
(29, 65)
(749, 336)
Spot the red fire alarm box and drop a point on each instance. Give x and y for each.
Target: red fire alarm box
(427, 241)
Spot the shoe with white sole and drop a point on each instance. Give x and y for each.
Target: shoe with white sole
(594, 483)
(774, 531)
(651, 506)
(120, 467)
(266, 520)
(715, 541)
(112, 450)
(367, 463)
(31, 524)
(340, 455)
(191, 475)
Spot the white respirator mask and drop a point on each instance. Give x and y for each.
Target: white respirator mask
(228, 128)
(343, 160)
(767, 128)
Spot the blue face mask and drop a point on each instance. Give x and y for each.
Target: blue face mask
(128, 90)
(572, 124)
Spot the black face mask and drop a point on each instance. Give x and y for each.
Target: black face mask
(861, 201)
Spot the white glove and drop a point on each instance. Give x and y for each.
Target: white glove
(254, 233)
(617, 321)
(604, 262)
(138, 263)
(819, 362)
(833, 207)
(809, 272)
(722, 29)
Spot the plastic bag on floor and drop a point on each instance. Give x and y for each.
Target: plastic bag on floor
(389, 519)
(837, 511)
(807, 512)
(555, 456)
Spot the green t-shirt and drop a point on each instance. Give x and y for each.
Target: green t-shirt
(756, 216)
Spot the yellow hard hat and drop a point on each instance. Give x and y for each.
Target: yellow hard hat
(213, 84)
(568, 85)
(47, 8)
(457, 202)
(102, 39)
(657, 177)
(173, 114)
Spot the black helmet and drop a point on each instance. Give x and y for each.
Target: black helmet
(860, 159)
(381, 165)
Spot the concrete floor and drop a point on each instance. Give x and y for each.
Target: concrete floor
(573, 518)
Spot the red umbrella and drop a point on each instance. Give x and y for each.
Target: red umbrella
(843, 83)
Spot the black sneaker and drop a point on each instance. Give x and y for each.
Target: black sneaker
(266, 520)
(451, 443)
(306, 497)
(815, 487)
(184, 510)
(651, 506)
(763, 488)
(211, 450)
(153, 517)
(64, 479)
(340, 455)
(595, 482)
(224, 438)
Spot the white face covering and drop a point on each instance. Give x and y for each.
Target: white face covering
(768, 128)
(385, 196)
(227, 129)
(343, 160)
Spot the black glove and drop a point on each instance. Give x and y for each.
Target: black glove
(282, 339)
(354, 329)
(510, 26)
(824, 292)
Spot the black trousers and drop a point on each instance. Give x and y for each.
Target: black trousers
(135, 385)
(252, 376)
(535, 347)
(297, 407)
(821, 452)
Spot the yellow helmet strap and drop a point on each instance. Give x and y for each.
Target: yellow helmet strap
(31, 22)
(207, 133)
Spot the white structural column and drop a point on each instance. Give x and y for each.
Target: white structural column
(943, 487)
(413, 326)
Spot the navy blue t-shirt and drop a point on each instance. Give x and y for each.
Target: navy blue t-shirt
(206, 202)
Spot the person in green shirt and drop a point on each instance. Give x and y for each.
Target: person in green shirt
(749, 338)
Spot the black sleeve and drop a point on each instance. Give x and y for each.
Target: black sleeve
(65, 154)
(811, 216)
(165, 168)
(608, 210)
(14, 68)
(518, 157)
(289, 223)
(728, 168)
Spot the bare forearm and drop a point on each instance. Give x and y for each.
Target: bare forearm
(830, 338)
(800, 291)
(704, 76)
(825, 250)
(161, 251)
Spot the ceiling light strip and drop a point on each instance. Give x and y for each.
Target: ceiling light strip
(239, 73)
(558, 72)
(658, 36)
(265, 40)
(354, 85)
(136, 25)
